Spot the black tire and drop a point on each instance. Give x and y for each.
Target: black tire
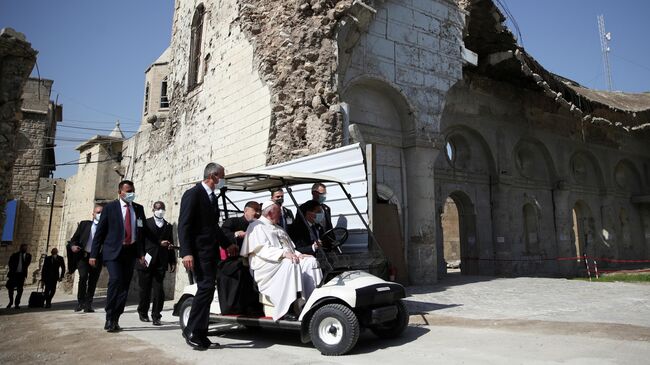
(184, 312)
(334, 329)
(394, 328)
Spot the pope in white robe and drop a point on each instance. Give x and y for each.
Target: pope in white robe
(278, 269)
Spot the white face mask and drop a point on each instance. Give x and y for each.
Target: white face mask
(97, 215)
(160, 213)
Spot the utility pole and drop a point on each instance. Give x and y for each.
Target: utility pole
(49, 227)
(605, 38)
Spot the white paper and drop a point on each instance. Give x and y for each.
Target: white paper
(147, 259)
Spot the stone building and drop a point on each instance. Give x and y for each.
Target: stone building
(31, 184)
(17, 58)
(467, 128)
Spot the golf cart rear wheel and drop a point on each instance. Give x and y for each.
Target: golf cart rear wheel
(184, 312)
(334, 329)
(394, 328)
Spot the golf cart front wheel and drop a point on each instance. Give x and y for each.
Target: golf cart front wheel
(184, 312)
(334, 329)
(394, 328)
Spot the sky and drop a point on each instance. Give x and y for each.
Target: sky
(97, 51)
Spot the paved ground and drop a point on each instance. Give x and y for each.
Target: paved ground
(461, 320)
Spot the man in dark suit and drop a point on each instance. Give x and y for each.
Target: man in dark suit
(158, 244)
(52, 272)
(286, 219)
(120, 240)
(319, 194)
(237, 294)
(79, 249)
(18, 264)
(200, 238)
(307, 237)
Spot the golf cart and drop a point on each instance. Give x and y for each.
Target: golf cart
(349, 298)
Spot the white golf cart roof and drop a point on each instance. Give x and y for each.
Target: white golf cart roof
(259, 180)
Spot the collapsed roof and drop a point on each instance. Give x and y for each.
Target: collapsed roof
(501, 58)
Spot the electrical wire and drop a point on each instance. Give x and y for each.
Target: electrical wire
(96, 122)
(504, 7)
(93, 129)
(93, 108)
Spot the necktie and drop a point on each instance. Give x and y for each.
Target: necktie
(214, 203)
(128, 238)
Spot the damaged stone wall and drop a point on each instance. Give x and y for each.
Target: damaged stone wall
(296, 49)
(17, 58)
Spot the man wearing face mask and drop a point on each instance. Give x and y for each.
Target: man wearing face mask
(119, 240)
(79, 249)
(319, 195)
(286, 219)
(158, 244)
(200, 238)
(235, 283)
(307, 237)
(52, 272)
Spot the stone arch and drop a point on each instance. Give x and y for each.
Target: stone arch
(583, 228)
(627, 177)
(528, 155)
(468, 144)
(585, 169)
(458, 222)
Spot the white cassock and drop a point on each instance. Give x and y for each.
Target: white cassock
(277, 277)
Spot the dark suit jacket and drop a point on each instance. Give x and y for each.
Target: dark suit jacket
(232, 225)
(328, 216)
(301, 237)
(53, 270)
(109, 236)
(198, 226)
(161, 257)
(79, 238)
(13, 265)
(287, 215)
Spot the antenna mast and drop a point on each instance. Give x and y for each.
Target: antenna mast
(605, 38)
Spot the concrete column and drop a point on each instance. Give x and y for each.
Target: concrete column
(421, 247)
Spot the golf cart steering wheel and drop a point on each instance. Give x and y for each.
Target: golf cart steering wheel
(336, 236)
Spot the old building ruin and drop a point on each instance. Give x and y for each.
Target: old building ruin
(522, 166)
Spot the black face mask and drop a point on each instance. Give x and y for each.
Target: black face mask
(279, 201)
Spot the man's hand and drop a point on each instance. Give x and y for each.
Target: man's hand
(75, 249)
(164, 243)
(240, 234)
(142, 261)
(291, 256)
(172, 268)
(92, 262)
(233, 250)
(188, 262)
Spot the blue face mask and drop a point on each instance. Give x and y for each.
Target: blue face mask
(322, 198)
(220, 184)
(129, 197)
(320, 217)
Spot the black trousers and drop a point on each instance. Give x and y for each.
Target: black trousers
(17, 282)
(120, 272)
(205, 272)
(151, 279)
(49, 290)
(88, 277)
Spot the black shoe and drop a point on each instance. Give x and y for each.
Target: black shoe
(117, 326)
(289, 317)
(196, 343)
(89, 309)
(17, 306)
(9, 305)
(156, 322)
(108, 324)
(144, 317)
(78, 308)
(48, 305)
